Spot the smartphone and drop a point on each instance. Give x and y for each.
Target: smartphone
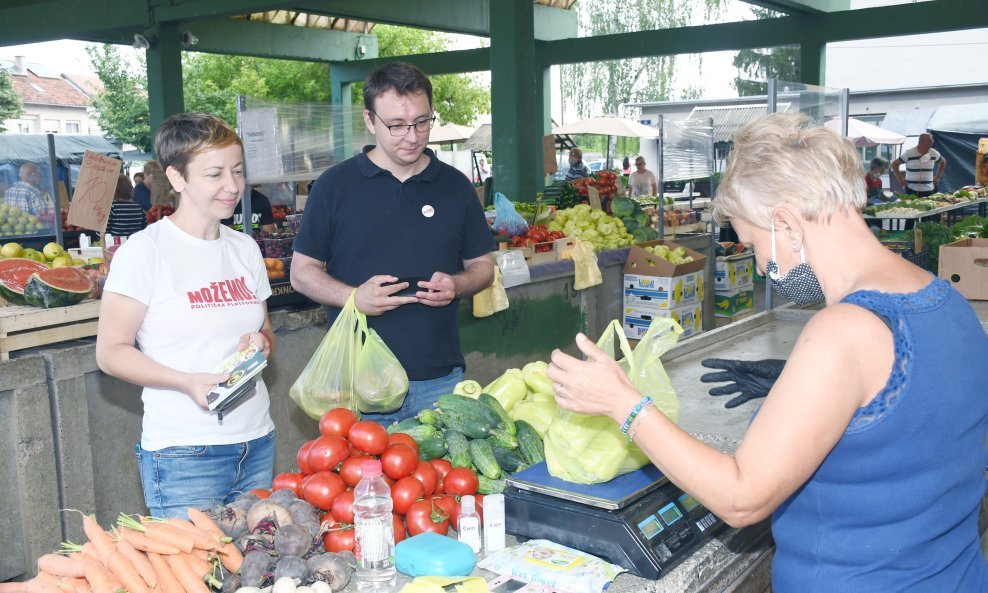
(413, 286)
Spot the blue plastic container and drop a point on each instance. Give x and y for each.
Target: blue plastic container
(431, 554)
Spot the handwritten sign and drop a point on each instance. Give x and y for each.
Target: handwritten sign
(93, 195)
(549, 154)
(259, 131)
(593, 196)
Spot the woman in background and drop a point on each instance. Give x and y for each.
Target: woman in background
(873, 179)
(126, 216)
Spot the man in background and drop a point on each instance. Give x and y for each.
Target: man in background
(261, 213)
(924, 167)
(576, 167)
(26, 194)
(142, 190)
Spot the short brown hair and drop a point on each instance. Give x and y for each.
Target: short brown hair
(181, 137)
(401, 77)
(125, 190)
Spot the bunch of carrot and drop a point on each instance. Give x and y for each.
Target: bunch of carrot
(140, 555)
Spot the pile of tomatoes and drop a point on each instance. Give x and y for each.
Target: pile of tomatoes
(425, 494)
(537, 236)
(604, 181)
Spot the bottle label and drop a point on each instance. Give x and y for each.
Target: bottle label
(373, 543)
(470, 532)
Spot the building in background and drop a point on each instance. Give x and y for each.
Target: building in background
(53, 102)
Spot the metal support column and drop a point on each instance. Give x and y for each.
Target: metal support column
(164, 67)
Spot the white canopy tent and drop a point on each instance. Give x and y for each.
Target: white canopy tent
(608, 126)
(864, 134)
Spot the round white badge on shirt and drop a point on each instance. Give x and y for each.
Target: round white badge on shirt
(428, 211)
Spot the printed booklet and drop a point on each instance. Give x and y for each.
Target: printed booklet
(242, 366)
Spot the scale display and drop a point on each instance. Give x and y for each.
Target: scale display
(639, 521)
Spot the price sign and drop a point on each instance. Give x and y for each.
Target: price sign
(93, 195)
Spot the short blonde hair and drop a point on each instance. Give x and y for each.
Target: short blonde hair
(785, 158)
(183, 136)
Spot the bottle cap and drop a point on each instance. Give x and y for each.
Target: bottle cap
(370, 468)
(466, 504)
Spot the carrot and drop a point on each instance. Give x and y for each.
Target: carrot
(98, 536)
(185, 575)
(158, 531)
(88, 551)
(206, 523)
(83, 587)
(12, 588)
(230, 557)
(62, 566)
(98, 577)
(140, 562)
(167, 583)
(201, 567)
(144, 544)
(41, 585)
(203, 540)
(126, 572)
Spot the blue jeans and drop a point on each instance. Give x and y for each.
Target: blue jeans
(421, 395)
(176, 478)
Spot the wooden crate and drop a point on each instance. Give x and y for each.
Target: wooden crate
(22, 326)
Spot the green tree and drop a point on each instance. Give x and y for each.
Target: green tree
(601, 87)
(122, 106)
(756, 66)
(11, 106)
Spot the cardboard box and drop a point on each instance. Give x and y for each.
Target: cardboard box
(643, 263)
(656, 293)
(734, 271)
(964, 264)
(690, 317)
(728, 303)
(554, 253)
(722, 321)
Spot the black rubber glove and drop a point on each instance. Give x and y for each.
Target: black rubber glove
(750, 378)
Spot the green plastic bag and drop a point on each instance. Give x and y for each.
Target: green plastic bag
(592, 449)
(352, 368)
(380, 383)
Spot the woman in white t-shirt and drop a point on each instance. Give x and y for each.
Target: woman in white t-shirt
(642, 181)
(182, 296)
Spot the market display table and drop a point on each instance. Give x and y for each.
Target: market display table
(900, 222)
(23, 326)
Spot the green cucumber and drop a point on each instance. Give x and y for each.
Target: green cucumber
(458, 448)
(428, 416)
(529, 443)
(510, 460)
(432, 448)
(504, 421)
(483, 459)
(486, 485)
(471, 426)
(404, 425)
(504, 439)
(420, 432)
(468, 407)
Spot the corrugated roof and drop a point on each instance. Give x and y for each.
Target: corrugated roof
(728, 118)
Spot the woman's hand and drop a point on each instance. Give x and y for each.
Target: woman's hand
(263, 339)
(198, 385)
(597, 386)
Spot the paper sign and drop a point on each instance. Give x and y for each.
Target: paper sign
(93, 195)
(549, 154)
(258, 128)
(594, 197)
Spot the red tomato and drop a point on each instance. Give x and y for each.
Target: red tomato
(442, 466)
(327, 452)
(400, 438)
(428, 475)
(368, 437)
(449, 507)
(290, 481)
(405, 492)
(399, 461)
(342, 507)
(399, 527)
(422, 516)
(262, 493)
(303, 458)
(350, 470)
(337, 421)
(460, 481)
(321, 489)
(338, 539)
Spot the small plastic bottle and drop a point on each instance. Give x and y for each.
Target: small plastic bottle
(373, 530)
(469, 523)
(493, 523)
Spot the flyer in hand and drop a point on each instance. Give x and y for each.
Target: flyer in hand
(242, 366)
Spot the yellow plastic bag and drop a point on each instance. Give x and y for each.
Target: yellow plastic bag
(592, 449)
(326, 382)
(492, 299)
(586, 270)
(379, 381)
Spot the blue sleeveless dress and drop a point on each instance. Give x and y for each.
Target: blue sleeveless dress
(894, 506)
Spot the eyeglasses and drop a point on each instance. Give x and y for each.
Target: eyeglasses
(421, 126)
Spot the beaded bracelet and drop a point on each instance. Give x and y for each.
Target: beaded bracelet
(641, 417)
(634, 412)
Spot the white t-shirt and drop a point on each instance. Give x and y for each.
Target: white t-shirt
(202, 296)
(920, 169)
(641, 183)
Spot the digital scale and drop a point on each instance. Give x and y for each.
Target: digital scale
(640, 521)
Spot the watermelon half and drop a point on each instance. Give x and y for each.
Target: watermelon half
(14, 274)
(57, 287)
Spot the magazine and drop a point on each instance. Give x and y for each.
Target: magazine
(242, 366)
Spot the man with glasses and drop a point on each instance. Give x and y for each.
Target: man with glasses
(26, 194)
(403, 230)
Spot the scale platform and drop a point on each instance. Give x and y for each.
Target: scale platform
(640, 521)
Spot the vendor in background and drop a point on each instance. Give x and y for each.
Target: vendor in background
(642, 182)
(138, 178)
(126, 216)
(26, 194)
(626, 166)
(261, 214)
(924, 168)
(873, 179)
(142, 190)
(576, 167)
(869, 450)
(391, 218)
(183, 296)
(483, 169)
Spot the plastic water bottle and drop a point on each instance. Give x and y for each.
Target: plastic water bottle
(374, 530)
(469, 524)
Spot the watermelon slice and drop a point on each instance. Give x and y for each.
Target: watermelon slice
(14, 274)
(57, 287)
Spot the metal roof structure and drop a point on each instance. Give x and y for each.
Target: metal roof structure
(728, 118)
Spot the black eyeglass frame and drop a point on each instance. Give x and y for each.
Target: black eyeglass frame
(404, 128)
